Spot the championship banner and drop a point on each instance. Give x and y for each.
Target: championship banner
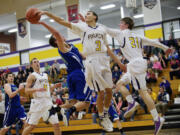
(22, 27)
(72, 10)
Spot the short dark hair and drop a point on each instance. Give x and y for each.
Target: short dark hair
(52, 42)
(33, 60)
(8, 74)
(94, 13)
(128, 21)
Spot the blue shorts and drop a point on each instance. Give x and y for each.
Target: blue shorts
(113, 113)
(13, 113)
(78, 89)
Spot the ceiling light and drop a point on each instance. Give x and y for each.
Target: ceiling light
(176, 30)
(178, 8)
(51, 20)
(48, 35)
(138, 16)
(12, 30)
(107, 6)
(122, 12)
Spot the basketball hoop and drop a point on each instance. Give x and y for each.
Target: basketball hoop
(131, 3)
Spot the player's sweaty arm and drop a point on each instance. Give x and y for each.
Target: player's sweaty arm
(111, 54)
(57, 35)
(57, 19)
(8, 90)
(29, 83)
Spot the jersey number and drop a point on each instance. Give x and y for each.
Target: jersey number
(98, 44)
(134, 42)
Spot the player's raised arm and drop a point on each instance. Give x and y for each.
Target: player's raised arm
(59, 38)
(57, 19)
(111, 54)
(29, 83)
(150, 42)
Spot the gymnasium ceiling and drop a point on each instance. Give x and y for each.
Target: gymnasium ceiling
(108, 17)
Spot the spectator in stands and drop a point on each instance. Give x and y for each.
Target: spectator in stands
(21, 71)
(149, 64)
(175, 69)
(1, 72)
(2, 107)
(173, 54)
(18, 79)
(163, 100)
(57, 66)
(163, 60)
(116, 95)
(167, 86)
(171, 42)
(47, 68)
(153, 58)
(151, 77)
(121, 108)
(29, 70)
(157, 68)
(178, 48)
(53, 74)
(116, 74)
(64, 83)
(152, 94)
(7, 70)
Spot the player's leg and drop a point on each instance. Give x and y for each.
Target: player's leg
(121, 85)
(115, 118)
(55, 122)
(140, 80)
(27, 130)
(32, 121)
(9, 119)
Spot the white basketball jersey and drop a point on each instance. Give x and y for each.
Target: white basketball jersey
(93, 39)
(41, 82)
(131, 44)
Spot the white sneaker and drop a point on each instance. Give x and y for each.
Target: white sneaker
(65, 119)
(108, 120)
(106, 124)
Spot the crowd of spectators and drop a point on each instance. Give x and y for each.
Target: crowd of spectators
(156, 62)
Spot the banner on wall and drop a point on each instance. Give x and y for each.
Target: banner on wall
(4, 48)
(22, 27)
(150, 3)
(72, 13)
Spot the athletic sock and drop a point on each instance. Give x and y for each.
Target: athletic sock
(72, 110)
(106, 110)
(154, 114)
(130, 99)
(101, 115)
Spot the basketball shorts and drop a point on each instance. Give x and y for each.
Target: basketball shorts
(13, 113)
(78, 88)
(98, 73)
(40, 109)
(136, 74)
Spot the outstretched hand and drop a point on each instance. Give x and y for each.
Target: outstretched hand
(81, 17)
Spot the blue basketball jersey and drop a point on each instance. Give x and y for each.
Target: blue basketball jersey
(72, 59)
(15, 101)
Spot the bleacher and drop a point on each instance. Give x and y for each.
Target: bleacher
(140, 120)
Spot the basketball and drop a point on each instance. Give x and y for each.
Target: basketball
(32, 15)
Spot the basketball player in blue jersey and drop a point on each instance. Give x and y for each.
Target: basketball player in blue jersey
(79, 92)
(13, 108)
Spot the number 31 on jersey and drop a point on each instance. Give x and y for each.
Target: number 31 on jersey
(134, 42)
